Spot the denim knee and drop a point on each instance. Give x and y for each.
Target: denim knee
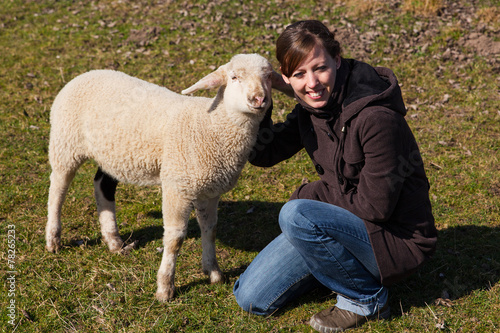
(289, 214)
(248, 300)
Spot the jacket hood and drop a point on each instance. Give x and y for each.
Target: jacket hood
(370, 86)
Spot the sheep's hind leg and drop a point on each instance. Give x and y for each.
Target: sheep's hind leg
(206, 213)
(175, 219)
(60, 179)
(104, 192)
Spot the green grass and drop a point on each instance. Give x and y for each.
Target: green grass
(84, 288)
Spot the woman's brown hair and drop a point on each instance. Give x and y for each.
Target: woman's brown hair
(298, 40)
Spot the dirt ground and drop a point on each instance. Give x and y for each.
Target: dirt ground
(480, 39)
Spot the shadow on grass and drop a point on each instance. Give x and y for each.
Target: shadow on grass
(247, 225)
(467, 258)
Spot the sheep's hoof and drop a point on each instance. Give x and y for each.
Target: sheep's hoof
(54, 245)
(216, 277)
(166, 294)
(114, 243)
(115, 247)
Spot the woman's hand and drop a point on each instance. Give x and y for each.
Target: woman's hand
(279, 84)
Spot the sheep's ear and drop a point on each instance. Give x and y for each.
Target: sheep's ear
(212, 80)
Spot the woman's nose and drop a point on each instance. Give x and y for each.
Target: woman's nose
(312, 80)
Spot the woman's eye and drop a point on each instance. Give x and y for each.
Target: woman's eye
(298, 75)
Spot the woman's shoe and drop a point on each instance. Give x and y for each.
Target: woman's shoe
(338, 320)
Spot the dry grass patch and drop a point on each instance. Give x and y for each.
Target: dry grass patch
(489, 15)
(358, 7)
(423, 7)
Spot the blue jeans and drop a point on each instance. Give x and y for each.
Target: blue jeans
(320, 243)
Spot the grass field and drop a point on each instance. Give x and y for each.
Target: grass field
(447, 58)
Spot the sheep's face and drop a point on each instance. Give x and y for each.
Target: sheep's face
(248, 84)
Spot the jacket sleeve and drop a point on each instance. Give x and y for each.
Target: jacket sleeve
(386, 149)
(276, 142)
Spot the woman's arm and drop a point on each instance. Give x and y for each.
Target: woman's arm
(276, 142)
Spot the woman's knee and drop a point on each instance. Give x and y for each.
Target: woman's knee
(248, 298)
(292, 215)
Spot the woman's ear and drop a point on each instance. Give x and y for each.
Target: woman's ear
(338, 61)
(287, 81)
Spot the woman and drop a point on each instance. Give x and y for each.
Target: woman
(367, 223)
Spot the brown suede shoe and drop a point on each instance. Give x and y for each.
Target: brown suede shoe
(337, 320)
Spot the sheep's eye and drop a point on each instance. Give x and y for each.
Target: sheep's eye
(234, 78)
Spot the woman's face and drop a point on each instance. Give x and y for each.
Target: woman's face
(313, 80)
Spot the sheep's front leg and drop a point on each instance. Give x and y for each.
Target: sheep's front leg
(104, 191)
(206, 213)
(175, 219)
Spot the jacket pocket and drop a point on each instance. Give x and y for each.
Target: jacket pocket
(354, 161)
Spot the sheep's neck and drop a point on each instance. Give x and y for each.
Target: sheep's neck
(228, 137)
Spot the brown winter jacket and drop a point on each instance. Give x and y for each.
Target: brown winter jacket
(368, 163)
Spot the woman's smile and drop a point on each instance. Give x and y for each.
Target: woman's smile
(315, 95)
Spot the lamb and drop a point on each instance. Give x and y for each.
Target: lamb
(144, 134)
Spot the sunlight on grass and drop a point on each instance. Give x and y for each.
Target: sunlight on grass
(449, 88)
